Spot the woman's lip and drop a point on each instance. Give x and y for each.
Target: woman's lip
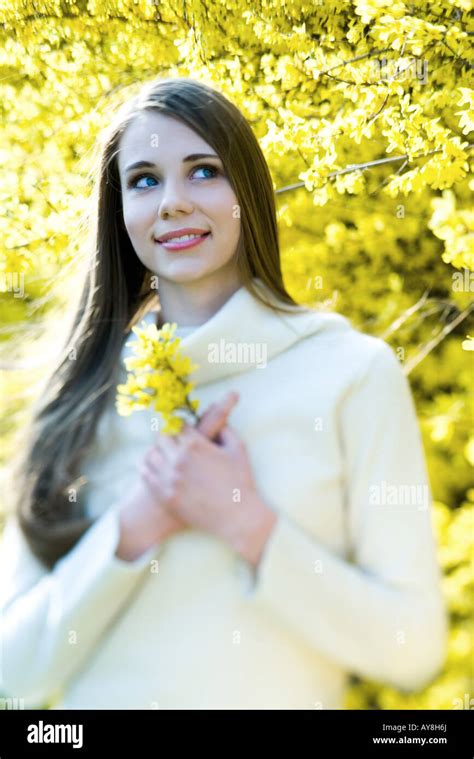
(173, 245)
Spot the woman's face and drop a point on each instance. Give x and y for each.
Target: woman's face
(177, 190)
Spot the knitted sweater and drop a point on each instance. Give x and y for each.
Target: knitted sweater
(348, 581)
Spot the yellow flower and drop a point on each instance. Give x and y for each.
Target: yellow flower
(158, 376)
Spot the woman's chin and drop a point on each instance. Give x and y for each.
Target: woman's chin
(182, 272)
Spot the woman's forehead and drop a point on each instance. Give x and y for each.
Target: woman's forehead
(156, 130)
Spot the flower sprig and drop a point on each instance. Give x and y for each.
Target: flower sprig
(158, 376)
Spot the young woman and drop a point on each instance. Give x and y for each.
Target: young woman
(250, 565)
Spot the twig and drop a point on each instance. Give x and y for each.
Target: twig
(394, 326)
(353, 60)
(431, 344)
(389, 178)
(359, 166)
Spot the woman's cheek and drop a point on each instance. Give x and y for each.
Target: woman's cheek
(137, 218)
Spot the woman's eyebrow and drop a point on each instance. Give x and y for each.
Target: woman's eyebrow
(149, 165)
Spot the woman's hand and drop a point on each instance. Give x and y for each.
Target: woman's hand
(143, 518)
(211, 487)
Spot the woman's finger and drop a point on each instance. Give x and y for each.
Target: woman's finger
(188, 434)
(148, 473)
(152, 480)
(167, 446)
(154, 459)
(215, 418)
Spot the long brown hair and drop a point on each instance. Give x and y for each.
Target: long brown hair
(117, 291)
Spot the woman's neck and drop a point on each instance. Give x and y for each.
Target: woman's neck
(190, 305)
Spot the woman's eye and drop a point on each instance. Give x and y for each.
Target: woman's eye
(133, 183)
(205, 167)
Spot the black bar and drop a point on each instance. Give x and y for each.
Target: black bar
(322, 733)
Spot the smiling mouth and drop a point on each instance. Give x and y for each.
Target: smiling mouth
(185, 241)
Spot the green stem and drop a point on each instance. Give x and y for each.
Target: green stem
(197, 418)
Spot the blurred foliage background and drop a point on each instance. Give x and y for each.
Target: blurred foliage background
(364, 110)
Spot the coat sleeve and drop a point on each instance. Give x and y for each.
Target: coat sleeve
(380, 614)
(50, 621)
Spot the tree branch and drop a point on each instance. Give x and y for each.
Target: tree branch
(360, 166)
(431, 344)
(394, 326)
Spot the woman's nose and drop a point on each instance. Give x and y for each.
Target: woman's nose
(174, 199)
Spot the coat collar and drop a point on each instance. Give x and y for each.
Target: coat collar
(244, 334)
